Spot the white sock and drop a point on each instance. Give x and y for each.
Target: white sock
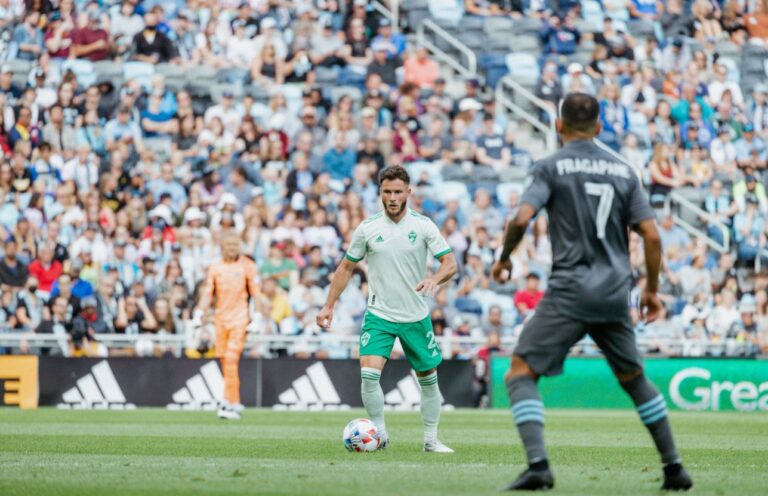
(431, 401)
(373, 396)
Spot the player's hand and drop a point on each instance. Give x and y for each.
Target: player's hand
(324, 317)
(498, 271)
(427, 287)
(650, 307)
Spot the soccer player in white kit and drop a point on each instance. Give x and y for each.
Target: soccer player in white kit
(397, 243)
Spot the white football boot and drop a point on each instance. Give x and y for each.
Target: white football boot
(228, 413)
(436, 447)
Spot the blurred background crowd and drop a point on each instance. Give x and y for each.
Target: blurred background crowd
(134, 133)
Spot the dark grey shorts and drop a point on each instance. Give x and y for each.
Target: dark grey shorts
(547, 338)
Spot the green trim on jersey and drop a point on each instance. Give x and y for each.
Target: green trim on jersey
(351, 258)
(443, 253)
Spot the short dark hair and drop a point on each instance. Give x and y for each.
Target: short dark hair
(393, 173)
(579, 112)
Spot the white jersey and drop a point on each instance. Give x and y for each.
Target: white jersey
(397, 262)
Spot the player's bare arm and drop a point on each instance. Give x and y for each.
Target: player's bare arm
(339, 282)
(444, 274)
(513, 235)
(650, 304)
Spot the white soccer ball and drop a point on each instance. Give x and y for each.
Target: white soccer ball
(361, 435)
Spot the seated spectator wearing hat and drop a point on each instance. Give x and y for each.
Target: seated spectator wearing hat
(750, 185)
(745, 330)
(151, 45)
(13, 272)
(396, 41)
(750, 149)
(384, 65)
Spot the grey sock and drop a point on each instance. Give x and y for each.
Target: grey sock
(528, 411)
(652, 408)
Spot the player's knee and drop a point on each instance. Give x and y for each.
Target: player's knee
(627, 376)
(520, 368)
(426, 373)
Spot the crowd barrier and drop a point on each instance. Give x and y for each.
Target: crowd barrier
(692, 384)
(185, 384)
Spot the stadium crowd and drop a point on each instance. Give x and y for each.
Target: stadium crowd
(114, 191)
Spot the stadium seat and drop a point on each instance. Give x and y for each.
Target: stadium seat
(417, 169)
(525, 43)
(19, 66)
(526, 26)
(523, 67)
(354, 93)
(454, 190)
(504, 191)
(218, 89)
(448, 11)
(734, 72)
(416, 16)
(141, 72)
(170, 70)
(471, 23)
(454, 173)
(503, 25)
(640, 28)
(592, 12)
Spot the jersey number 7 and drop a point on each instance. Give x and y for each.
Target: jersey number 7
(606, 193)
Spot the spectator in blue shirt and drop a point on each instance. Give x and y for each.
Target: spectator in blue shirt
(396, 40)
(340, 160)
(749, 230)
(560, 36)
(80, 287)
(166, 183)
(28, 37)
(750, 149)
(720, 207)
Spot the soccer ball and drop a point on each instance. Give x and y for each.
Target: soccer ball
(361, 435)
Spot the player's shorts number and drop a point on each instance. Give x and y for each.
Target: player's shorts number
(606, 193)
(431, 337)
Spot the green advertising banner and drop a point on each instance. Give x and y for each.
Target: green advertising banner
(687, 384)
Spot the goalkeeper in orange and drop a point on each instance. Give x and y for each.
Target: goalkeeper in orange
(231, 281)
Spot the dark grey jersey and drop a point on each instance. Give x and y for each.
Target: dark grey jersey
(592, 200)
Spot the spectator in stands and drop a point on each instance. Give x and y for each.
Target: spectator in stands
(492, 150)
(419, 69)
(45, 269)
(91, 41)
(559, 35)
(396, 41)
(721, 208)
(749, 230)
(750, 149)
(750, 186)
(527, 299)
(383, 65)
(29, 37)
(613, 116)
(152, 46)
(61, 135)
(723, 152)
(495, 323)
(13, 272)
(672, 235)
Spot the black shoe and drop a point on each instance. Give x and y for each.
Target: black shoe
(532, 480)
(676, 478)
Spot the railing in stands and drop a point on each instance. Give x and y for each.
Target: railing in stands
(391, 12)
(428, 28)
(508, 84)
(683, 203)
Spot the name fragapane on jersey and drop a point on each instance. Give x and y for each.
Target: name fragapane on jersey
(590, 166)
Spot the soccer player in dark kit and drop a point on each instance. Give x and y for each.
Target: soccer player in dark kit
(592, 200)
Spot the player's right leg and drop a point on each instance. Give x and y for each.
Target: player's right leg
(617, 342)
(376, 344)
(541, 350)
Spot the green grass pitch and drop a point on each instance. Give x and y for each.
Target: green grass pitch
(156, 452)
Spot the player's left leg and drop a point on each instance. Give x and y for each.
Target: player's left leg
(420, 347)
(231, 365)
(617, 342)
